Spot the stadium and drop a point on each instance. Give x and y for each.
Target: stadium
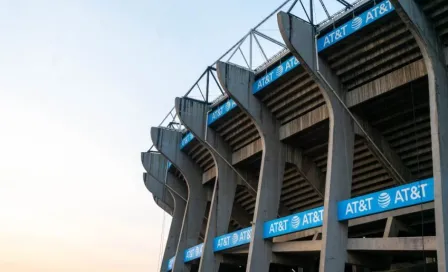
(327, 154)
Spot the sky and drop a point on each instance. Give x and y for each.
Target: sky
(81, 83)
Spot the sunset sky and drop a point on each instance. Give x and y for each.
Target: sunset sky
(81, 83)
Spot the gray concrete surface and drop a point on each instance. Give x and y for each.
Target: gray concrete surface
(167, 142)
(192, 114)
(433, 54)
(237, 83)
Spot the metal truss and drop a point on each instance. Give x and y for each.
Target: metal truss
(258, 50)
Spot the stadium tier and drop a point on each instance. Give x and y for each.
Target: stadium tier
(331, 156)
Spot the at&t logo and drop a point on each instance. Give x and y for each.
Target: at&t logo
(234, 238)
(295, 222)
(384, 200)
(356, 23)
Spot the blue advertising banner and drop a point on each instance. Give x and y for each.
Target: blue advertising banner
(354, 25)
(170, 264)
(275, 74)
(193, 253)
(232, 239)
(364, 19)
(300, 221)
(186, 139)
(220, 111)
(390, 199)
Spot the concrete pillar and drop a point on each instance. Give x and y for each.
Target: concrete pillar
(327, 80)
(167, 142)
(434, 57)
(299, 38)
(155, 180)
(237, 83)
(192, 114)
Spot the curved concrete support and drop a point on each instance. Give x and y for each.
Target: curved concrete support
(237, 83)
(167, 142)
(299, 37)
(328, 80)
(192, 114)
(167, 206)
(155, 180)
(434, 57)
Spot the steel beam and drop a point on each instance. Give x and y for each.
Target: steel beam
(167, 141)
(237, 83)
(433, 54)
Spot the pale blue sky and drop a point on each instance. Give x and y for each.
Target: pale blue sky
(81, 83)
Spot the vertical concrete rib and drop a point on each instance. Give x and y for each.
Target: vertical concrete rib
(237, 83)
(167, 142)
(299, 37)
(155, 180)
(434, 57)
(327, 80)
(192, 114)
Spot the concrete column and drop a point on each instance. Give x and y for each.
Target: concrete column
(328, 81)
(192, 114)
(299, 37)
(434, 57)
(156, 178)
(237, 83)
(167, 142)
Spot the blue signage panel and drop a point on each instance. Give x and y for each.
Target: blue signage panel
(354, 25)
(300, 221)
(171, 263)
(390, 199)
(193, 253)
(364, 19)
(220, 111)
(233, 239)
(186, 139)
(275, 74)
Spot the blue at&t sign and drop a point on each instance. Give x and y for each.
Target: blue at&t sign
(232, 239)
(390, 199)
(300, 221)
(193, 253)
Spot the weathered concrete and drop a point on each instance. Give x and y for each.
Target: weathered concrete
(299, 38)
(327, 80)
(192, 114)
(167, 206)
(434, 57)
(155, 178)
(237, 83)
(307, 169)
(394, 244)
(399, 244)
(161, 195)
(167, 142)
(398, 171)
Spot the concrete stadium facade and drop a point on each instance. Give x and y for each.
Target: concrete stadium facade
(334, 157)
